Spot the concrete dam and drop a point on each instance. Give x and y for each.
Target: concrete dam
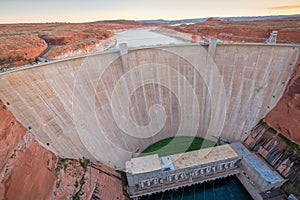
(111, 106)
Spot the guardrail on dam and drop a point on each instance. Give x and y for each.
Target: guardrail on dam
(110, 107)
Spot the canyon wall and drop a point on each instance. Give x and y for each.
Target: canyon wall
(285, 117)
(180, 35)
(17, 50)
(29, 171)
(244, 31)
(11, 134)
(26, 167)
(92, 46)
(23, 44)
(110, 107)
(85, 179)
(279, 152)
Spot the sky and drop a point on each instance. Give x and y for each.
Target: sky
(19, 11)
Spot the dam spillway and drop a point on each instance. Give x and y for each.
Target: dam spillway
(111, 106)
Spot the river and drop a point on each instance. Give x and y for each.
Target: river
(144, 37)
(223, 189)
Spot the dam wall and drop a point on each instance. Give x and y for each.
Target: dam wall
(110, 107)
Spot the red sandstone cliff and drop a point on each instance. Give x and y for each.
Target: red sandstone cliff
(21, 44)
(28, 174)
(285, 117)
(79, 48)
(11, 133)
(247, 31)
(16, 50)
(29, 171)
(179, 35)
(25, 167)
(76, 42)
(79, 179)
(71, 37)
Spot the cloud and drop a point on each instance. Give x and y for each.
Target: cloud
(286, 7)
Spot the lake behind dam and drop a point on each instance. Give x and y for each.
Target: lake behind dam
(144, 37)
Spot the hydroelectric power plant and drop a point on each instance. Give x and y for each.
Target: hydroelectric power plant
(151, 174)
(111, 106)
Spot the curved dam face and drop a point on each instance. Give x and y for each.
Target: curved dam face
(110, 107)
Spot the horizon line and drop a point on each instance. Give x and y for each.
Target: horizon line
(137, 20)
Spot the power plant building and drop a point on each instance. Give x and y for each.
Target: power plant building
(151, 174)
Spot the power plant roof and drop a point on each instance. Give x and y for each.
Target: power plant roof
(143, 164)
(180, 161)
(203, 156)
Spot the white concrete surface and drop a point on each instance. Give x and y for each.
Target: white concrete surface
(109, 107)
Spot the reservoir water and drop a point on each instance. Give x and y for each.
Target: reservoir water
(144, 37)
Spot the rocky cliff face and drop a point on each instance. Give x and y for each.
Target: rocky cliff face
(81, 48)
(21, 44)
(285, 117)
(180, 35)
(283, 155)
(244, 31)
(26, 167)
(17, 50)
(81, 179)
(11, 133)
(71, 37)
(29, 171)
(28, 174)
(72, 43)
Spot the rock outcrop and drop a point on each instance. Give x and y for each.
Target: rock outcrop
(108, 182)
(83, 179)
(72, 37)
(93, 45)
(285, 117)
(22, 44)
(26, 167)
(244, 31)
(11, 133)
(20, 49)
(29, 171)
(281, 153)
(180, 35)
